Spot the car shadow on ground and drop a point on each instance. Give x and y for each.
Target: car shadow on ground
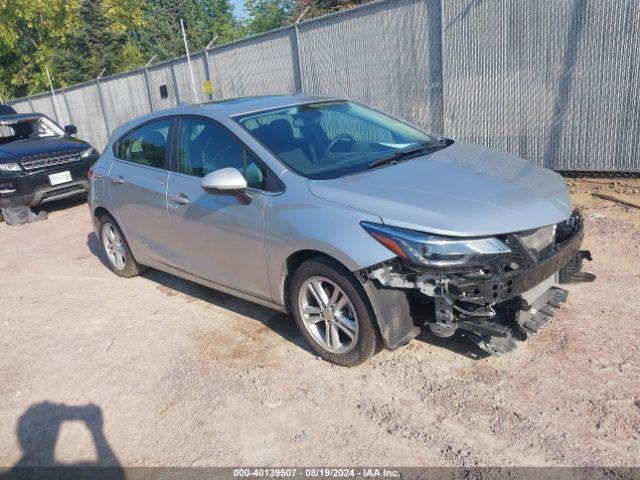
(62, 204)
(280, 323)
(38, 431)
(457, 343)
(93, 243)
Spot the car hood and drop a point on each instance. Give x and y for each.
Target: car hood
(15, 150)
(462, 190)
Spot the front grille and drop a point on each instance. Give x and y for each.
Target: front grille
(45, 160)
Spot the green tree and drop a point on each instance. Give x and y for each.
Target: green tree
(104, 41)
(30, 32)
(267, 15)
(204, 19)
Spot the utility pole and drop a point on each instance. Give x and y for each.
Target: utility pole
(186, 47)
(207, 67)
(147, 83)
(53, 97)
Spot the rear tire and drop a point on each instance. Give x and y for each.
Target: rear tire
(114, 245)
(333, 312)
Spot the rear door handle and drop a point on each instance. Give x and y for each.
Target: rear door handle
(180, 198)
(119, 180)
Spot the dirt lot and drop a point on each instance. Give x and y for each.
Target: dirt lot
(184, 375)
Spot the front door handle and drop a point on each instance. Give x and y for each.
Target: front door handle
(180, 198)
(119, 180)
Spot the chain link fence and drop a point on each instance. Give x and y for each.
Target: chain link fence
(555, 82)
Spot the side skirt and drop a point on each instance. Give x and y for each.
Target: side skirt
(164, 267)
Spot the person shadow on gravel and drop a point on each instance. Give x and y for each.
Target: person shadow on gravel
(38, 429)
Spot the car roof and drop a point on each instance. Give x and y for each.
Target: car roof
(236, 106)
(228, 108)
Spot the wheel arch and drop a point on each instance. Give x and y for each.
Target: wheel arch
(292, 263)
(391, 307)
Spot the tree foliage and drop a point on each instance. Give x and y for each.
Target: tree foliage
(31, 31)
(204, 20)
(104, 42)
(78, 39)
(267, 15)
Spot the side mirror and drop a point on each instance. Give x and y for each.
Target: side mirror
(71, 129)
(227, 181)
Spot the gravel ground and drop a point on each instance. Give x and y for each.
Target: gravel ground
(157, 371)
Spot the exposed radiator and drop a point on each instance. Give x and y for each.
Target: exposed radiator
(533, 294)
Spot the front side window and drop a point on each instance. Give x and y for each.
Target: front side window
(330, 139)
(146, 145)
(204, 146)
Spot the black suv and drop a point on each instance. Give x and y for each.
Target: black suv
(39, 160)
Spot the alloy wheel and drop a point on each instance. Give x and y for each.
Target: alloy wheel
(114, 246)
(328, 314)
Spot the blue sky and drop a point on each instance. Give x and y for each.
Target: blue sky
(239, 10)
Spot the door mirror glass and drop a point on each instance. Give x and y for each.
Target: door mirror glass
(71, 129)
(226, 180)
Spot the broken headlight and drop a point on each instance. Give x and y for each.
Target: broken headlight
(427, 250)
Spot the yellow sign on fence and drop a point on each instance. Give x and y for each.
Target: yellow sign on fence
(208, 87)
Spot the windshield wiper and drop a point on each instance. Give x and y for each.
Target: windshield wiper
(398, 155)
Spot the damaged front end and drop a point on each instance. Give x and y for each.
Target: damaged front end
(496, 290)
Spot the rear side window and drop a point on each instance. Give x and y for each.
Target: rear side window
(147, 145)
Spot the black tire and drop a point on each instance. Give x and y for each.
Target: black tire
(368, 338)
(131, 268)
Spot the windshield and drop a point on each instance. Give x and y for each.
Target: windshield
(331, 139)
(24, 127)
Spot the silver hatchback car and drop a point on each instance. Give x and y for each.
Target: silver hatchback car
(365, 228)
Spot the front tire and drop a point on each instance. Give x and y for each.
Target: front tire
(333, 312)
(119, 257)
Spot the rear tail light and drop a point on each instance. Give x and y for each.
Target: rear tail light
(90, 173)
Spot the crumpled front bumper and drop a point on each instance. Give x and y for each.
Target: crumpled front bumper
(495, 307)
(498, 288)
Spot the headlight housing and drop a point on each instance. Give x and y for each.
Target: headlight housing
(10, 167)
(88, 152)
(435, 251)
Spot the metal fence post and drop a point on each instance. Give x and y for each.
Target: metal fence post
(66, 104)
(148, 84)
(55, 108)
(31, 104)
(175, 83)
(207, 71)
(435, 39)
(297, 66)
(104, 110)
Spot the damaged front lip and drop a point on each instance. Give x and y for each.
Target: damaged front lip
(498, 288)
